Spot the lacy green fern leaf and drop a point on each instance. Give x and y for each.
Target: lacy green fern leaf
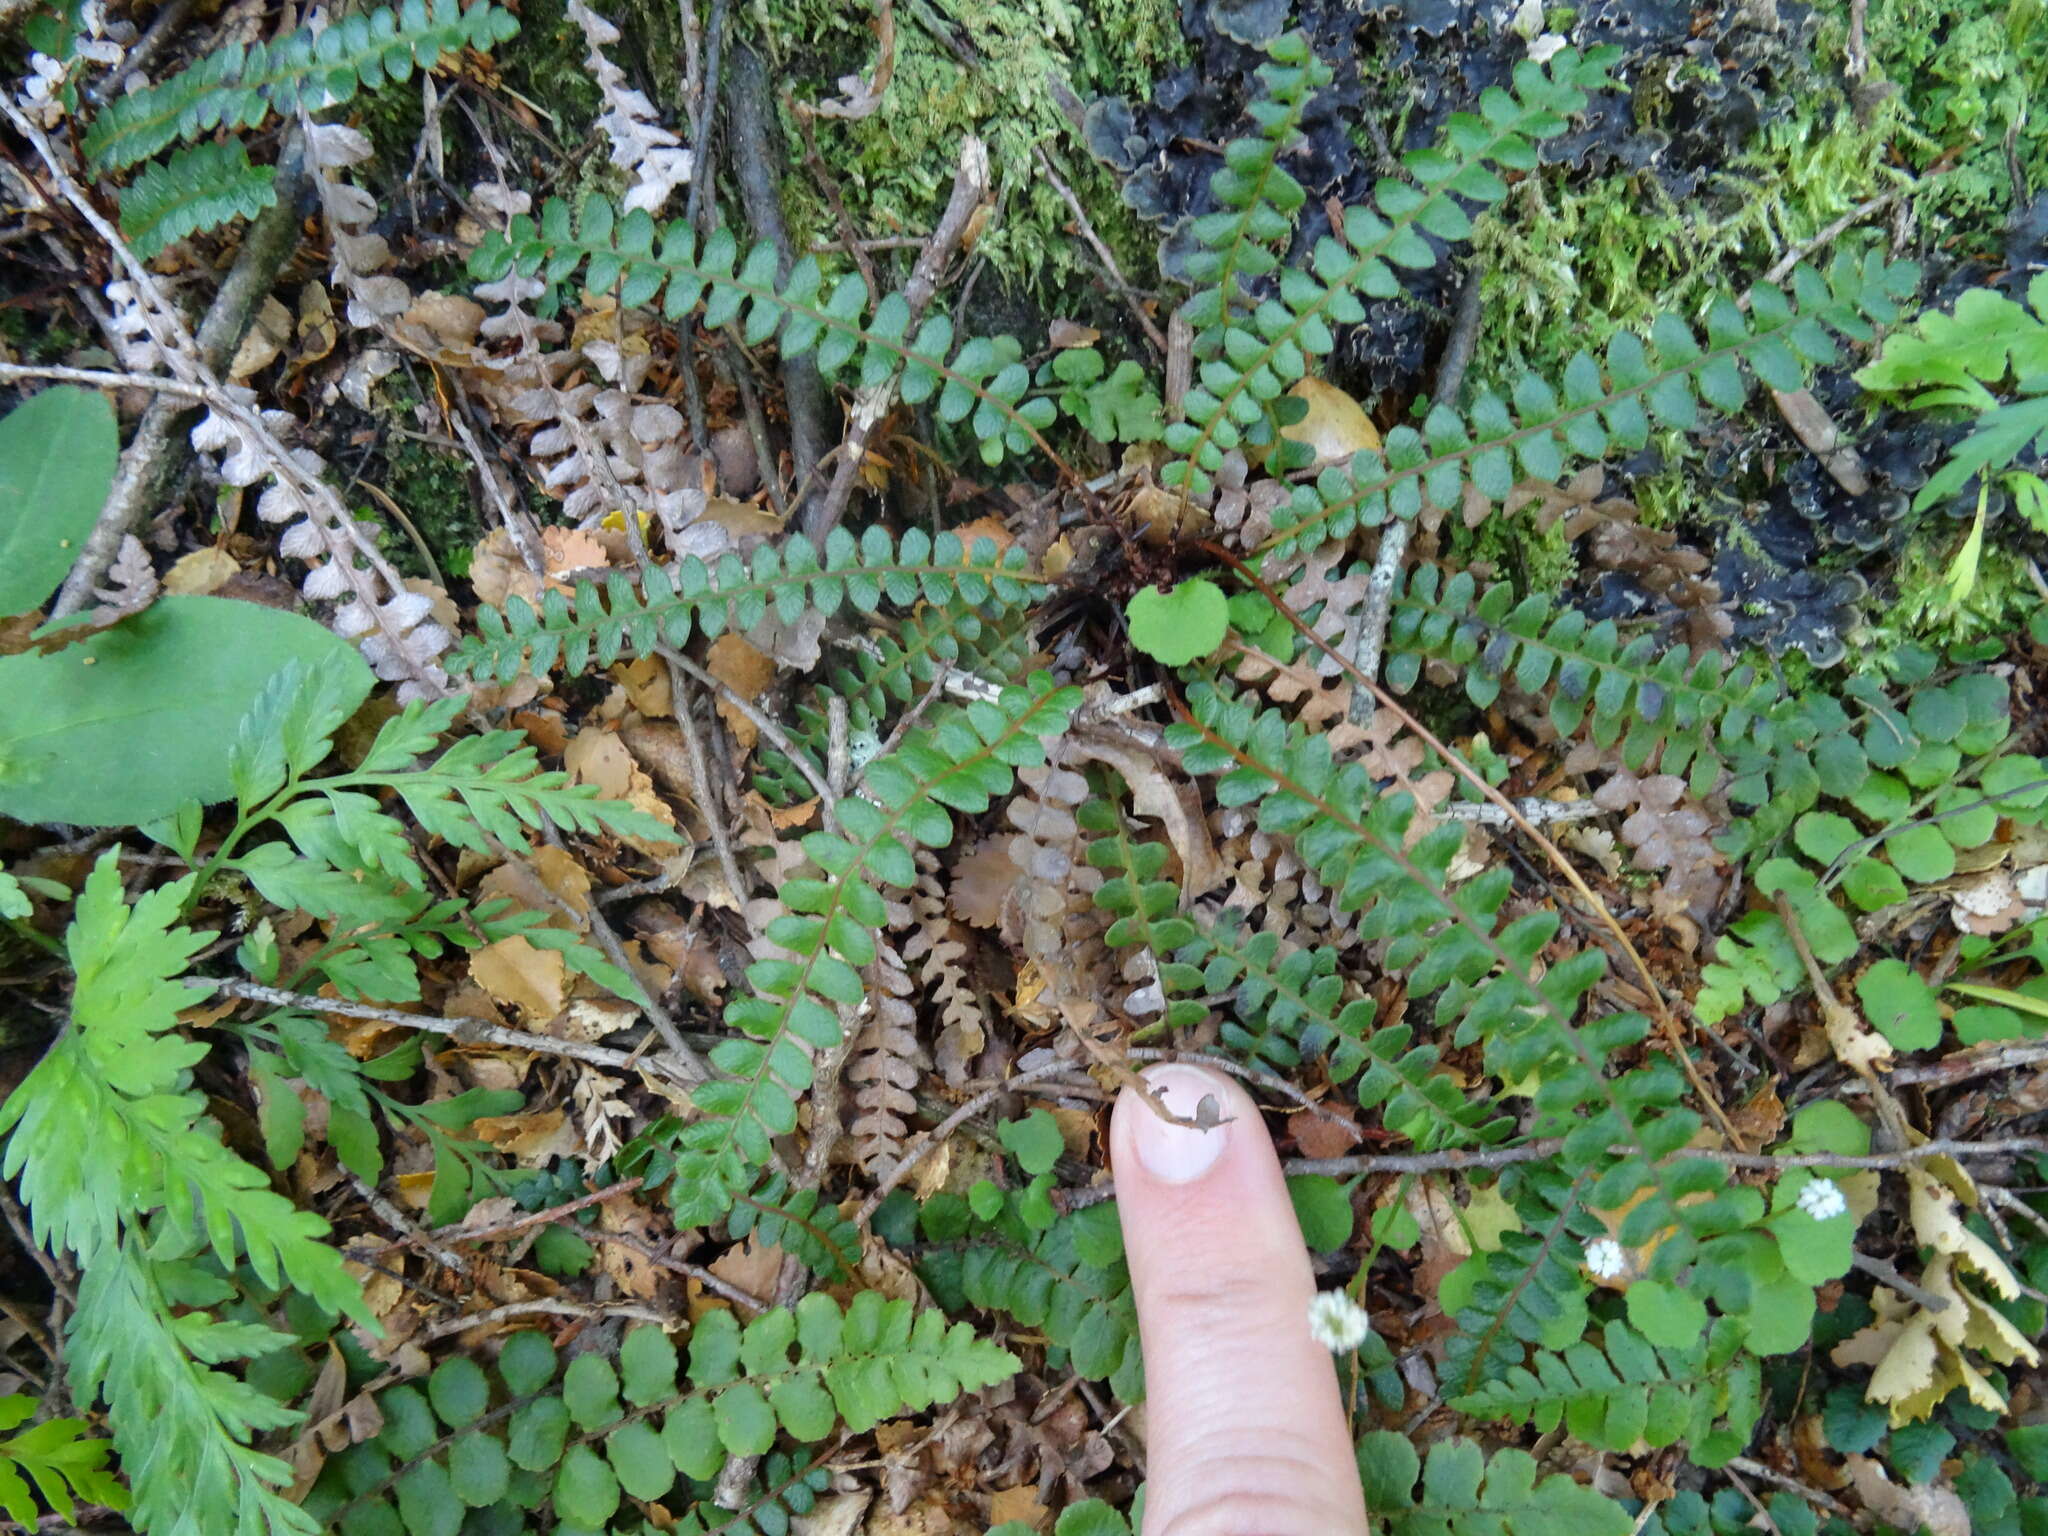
(198, 188)
(1598, 408)
(894, 670)
(109, 1141)
(1248, 356)
(1623, 1134)
(66, 1468)
(242, 85)
(675, 602)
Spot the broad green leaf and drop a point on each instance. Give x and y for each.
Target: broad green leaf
(458, 1391)
(126, 726)
(1899, 1005)
(1034, 1141)
(478, 1469)
(57, 457)
(1666, 1315)
(1175, 627)
(586, 1492)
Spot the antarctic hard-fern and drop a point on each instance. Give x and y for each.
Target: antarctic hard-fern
(794, 1004)
(239, 87)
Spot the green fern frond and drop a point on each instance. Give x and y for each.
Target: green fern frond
(114, 1152)
(936, 637)
(1146, 912)
(1598, 408)
(984, 382)
(1069, 1282)
(1465, 1492)
(1624, 1132)
(689, 597)
(66, 1468)
(1625, 1390)
(829, 926)
(594, 1433)
(1246, 361)
(240, 86)
(198, 188)
(1528, 1289)
(800, 1222)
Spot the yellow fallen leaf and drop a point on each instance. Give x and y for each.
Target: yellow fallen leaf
(1336, 425)
(200, 572)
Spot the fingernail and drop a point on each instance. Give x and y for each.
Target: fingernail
(1179, 1154)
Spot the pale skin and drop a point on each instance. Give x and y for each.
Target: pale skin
(1245, 1428)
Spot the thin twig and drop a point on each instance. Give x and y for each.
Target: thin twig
(870, 405)
(410, 1233)
(607, 940)
(1879, 1270)
(547, 1306)
(463, 1030)
(757, 164)
(710, 803)
(763, 722)
(1102, 252)
(936, 1137)
(101, 378)
(1378, 609)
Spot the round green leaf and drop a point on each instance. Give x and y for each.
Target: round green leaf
(647, 1361)
(1822, 835)
(126, 726)
(586, 1493)
(1034, 1141)
(1175, 627)
(526, 1362)
(1938, 714)
(1323, 1207)
(1829, 1125)
(427, 1502)
(1873, 885)
(409, 1426)
(1921, 854)
(1666, 1315)
(1780, 1316)
(58, 452)
(458, 1391)
(1899, 1005)
(691, 1437)
(538, 1432)
(746, 1424)
(590, 1388)
(636, 1455)
(805, 1407)
(1814, 1252)
(478, 1469)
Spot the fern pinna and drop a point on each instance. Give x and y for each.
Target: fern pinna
(588, 1435)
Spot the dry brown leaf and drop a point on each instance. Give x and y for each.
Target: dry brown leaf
(531, 1139)
(600, 757)
(1022, 1504)
(982, 882)
(1940, 1510)
(748, 673)
(532, 981)
(753, 1267)
(1323, 1132)
(268, 336)
(1171, 801)
(646, 681)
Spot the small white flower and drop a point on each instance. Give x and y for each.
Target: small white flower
(1337, 1322)
(1822, 1199)
(1606, 1259)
